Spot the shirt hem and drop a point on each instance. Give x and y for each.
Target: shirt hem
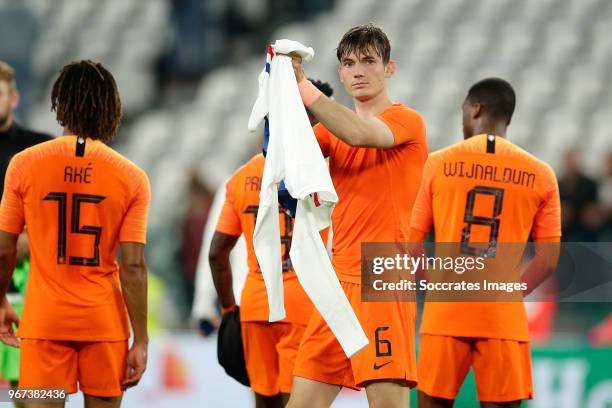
(476, 335)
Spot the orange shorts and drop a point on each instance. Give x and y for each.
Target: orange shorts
(502, 368)
(390, 353)
(98, 367)
(269, 351)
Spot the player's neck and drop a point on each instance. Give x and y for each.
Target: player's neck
(373, 106)
(68, 132)
(497, 129)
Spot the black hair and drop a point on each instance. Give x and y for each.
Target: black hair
(86, 100)
(495, 96)
(323, 87)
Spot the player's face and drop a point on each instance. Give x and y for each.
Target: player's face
(7, 102)
(364, 76)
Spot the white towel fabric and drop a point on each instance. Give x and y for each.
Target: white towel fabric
(205, 296)
(294, 155)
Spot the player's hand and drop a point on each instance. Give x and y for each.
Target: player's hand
(206, 327)
(298, 69)
(8, 317)
(296, 62)
(136, 365)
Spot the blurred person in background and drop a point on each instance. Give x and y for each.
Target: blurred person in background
(605, 189)
(592, 224)
(75, 329)
(270, 348)
(19, 30)
(576, 190)
(192, 229)
(13, 139)
(601, 334)
(13, 136)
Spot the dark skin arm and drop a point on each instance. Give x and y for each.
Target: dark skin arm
(543, 264)
(8, 252)
(220, 248)
(133, 276)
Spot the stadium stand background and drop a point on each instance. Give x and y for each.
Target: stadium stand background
(187, 73)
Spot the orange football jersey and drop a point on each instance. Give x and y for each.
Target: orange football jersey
(78, 201)
(238, 217)
(376, 187)
(485, 190)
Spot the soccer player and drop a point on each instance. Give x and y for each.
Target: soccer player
(13, 139)
(81, 200)
(484, 190)
(269, 348)
(376, 155)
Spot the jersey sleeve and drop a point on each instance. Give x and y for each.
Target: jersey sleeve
(422, 211)
(407, 125)
(134, 227)
(323, 137)
(12, 214)
(229, 219)
(547, 221)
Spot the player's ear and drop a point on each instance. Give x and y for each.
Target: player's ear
(390, 68)
(340, 73)
(476, 110)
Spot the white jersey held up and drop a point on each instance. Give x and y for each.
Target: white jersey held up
(294, 155)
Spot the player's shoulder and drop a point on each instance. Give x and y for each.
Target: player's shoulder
(516, 153)
(445, 152)
(38, 151)
(125, 166)
(398, 108)
(254, 166)
(402, 114)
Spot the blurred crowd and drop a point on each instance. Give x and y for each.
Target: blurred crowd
(586, 201)
(210, 33)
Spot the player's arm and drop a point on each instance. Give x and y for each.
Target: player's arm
(415, 247)
(349, 127)
(133, 277)
(12, 220)
(546, 235)
(227, 232)
(543, 264)
(8, 252)
(421, 218)
(343, 122)
(221, 269)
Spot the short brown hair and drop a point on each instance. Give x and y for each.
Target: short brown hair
(86, 100)
(363, 38)
(7, 73)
